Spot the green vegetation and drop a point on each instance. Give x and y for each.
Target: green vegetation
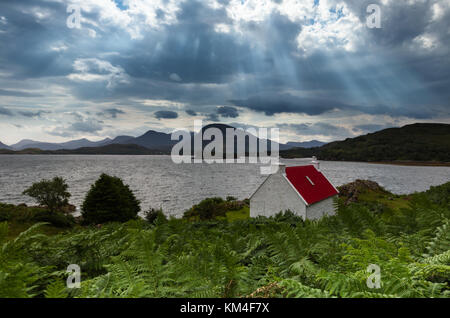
(241, 214)
(21, 217)
(109, 200)
(417, 143)
(155, 216)
(216, 208)
(50, 193)
(282, 256)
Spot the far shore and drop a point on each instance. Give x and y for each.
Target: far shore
(413, 163)
(397, 163)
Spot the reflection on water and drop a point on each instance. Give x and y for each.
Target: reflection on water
(158, 182)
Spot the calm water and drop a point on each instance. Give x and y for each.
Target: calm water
(158, 182)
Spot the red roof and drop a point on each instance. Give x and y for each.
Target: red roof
(312, 185)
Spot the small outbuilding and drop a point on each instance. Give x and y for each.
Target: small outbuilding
(303, 190)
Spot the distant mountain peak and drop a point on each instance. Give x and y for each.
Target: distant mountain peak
(3, 146)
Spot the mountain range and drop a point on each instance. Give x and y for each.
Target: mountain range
(420, 142)
(152, 140)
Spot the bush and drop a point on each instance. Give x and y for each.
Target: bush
(207, 209)
(109, 200)
(155, 216)
(23, 214)
(50, 193)
(56, 219)
(5, 212)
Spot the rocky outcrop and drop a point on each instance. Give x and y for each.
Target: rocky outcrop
(352, 190)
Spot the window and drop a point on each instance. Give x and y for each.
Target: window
(310, 181)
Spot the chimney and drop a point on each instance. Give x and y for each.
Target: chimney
(315, 163)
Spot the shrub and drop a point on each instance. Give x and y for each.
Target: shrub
(109, 200)
(287, 217)
(56, 219)
(50, 193)
(23, 214)
(155, 216)
(5, 212)
(207, 209)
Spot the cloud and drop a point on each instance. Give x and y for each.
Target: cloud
(111, 112)
(335, 28)
(96, 70)
(88, 126)
(191, 112)
(287, 103)
(33, 114)
(165, 114)
(7, 92)
(81, 126)
(228, 112)
(318, 128)
(5, 111)
(175, 77)
(214, 117)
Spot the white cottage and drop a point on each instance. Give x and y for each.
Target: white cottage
(304, 190)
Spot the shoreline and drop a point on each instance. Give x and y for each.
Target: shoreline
(394, 163)
(412, 163)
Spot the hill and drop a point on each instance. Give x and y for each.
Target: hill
(3, 146)
(113, 149)
(306, 144)
(73, 144)
(417, 142)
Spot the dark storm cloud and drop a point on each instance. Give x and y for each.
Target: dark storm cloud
(111, 112)
(32, 114)
(212, 117)
(228, 112)
(400, 23)
(311, 129)
(165, 114)
(86, 126)
(286, 103)
(7, 92)
(5, 111)
(197, 54)
(31, 56)
(191, 112)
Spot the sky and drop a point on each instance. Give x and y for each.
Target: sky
(312, 68)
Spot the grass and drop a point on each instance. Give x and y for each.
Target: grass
(393, 202)
(242, 214)
(15, 228)
(21, 218)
